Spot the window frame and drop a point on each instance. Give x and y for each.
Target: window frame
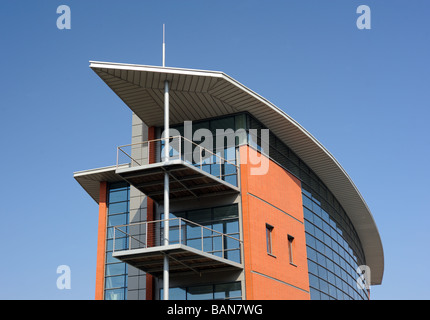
(269, 239)
(290, 239)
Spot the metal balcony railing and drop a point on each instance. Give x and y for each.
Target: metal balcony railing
(150, 234)
(180, 148)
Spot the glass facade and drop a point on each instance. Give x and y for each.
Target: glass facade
(332, 262)
(227, 171)
(220, 220)
(223, 291)
(118, 214)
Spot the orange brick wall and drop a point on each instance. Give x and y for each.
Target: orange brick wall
(101, 242)
(274, 198)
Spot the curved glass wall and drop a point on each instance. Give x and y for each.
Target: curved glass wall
(332, 262)
(333, 248)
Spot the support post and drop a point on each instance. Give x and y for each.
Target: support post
(166, 191)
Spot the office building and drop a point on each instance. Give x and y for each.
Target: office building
(240, 202)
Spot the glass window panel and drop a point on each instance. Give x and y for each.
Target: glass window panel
(217, 242)
(118, 186)
(311, 253)
(228, 290)
(314, 281)
(116, 294)
(207, 244)
(218, 226)
(319, 234)
(195, 243)
(115, 282)
(318, 221)
(200, 293)
(233, 255)
(120, 244)
(194, 231)
(215, 170)
(218, 254)
(222, 123)
(176, 294)
(330, 265)
(306, 192)
(207, 168)
(231, 243)
(309, 227)
(200, 216)
(173, 235)
(320, 259)
(324, 286)
(320, 246)
(110, 233)
(110, 259)
(207, 232)
(307, 202)
(326, 227)
(313, 267)
(325, 216)
(324, 296)
(117, 219)
(338, 282)
(231, 179)
(308, 214)
(232, 226)
(115, 269)
(310, 240)
(316, 208)
(315, 294)
(331, 278)
(229, 168)
(116, 196)
(109, 245)
(332, 291)
(118, 207)
(230, 154)
(322, 272)
(225, 212)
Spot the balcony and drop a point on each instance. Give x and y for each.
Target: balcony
(191, 247)
(193, 170)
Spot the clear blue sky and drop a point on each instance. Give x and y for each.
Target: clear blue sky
(364, 94)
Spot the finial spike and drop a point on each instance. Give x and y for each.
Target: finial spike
(164, 45)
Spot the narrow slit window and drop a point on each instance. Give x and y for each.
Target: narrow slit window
(290, 248)
(269, 230)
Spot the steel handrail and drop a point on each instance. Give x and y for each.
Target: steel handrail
(183, 219)
(179, 151)
(180, 225)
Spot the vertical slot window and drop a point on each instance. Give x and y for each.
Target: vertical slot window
(269, 232)
(290, 249)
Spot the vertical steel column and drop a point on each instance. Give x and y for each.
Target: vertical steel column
(166, 191)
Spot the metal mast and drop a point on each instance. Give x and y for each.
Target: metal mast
(166, 178)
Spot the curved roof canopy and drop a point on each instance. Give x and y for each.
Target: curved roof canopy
(199, 94)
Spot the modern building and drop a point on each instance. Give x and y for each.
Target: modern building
(269, 214)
